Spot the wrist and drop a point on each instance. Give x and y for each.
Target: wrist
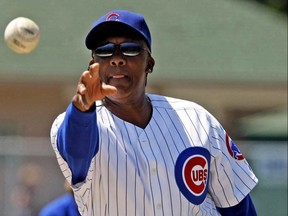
(78, 103)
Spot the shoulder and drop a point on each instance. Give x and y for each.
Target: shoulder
(165, 102)
(188, 111)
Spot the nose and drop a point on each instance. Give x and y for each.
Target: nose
(117, 59)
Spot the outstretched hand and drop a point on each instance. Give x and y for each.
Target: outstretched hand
(90, 89)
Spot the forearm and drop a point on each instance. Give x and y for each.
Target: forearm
(77, 141)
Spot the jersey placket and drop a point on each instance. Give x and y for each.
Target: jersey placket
(149, 157)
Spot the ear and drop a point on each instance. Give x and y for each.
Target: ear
(91, 62)
(149, 67)
(150, 64)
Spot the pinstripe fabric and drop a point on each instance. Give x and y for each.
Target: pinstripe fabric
(133, 172)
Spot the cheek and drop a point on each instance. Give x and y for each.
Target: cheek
(141, 77)
(142, 69)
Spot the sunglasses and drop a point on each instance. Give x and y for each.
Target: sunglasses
(128, 49)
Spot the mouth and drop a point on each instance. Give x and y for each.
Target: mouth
(117, 79)
(118, 76)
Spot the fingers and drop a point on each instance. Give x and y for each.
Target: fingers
(87, 84)
(90, 77)
(103, 87)
(94, 70)
(90, 88)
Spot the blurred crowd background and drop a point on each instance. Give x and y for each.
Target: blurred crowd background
(230, 56)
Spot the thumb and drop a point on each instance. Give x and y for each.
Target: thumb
(108, 89)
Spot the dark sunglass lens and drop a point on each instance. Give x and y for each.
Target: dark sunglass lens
(130, 49)
(106, 50)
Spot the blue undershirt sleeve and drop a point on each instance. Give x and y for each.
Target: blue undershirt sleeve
(244, 208)
(78, 141)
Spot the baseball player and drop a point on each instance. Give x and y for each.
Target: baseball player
(128, 153)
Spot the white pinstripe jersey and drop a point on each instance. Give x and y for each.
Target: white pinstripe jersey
(133, 171)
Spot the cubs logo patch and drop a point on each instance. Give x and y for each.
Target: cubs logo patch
(232, 149)
(192, 173)
(112, 17)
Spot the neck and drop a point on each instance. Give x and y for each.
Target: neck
(136, 112)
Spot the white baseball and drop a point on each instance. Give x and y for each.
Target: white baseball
(22, 35)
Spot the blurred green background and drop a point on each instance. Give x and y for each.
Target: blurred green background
(230, 56)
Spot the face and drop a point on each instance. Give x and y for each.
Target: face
(127, 73)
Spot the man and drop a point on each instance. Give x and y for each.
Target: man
(128, 153)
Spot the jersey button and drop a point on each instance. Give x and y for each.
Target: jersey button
(153, 168)
(159, 206)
